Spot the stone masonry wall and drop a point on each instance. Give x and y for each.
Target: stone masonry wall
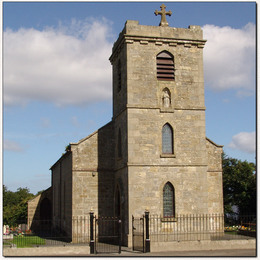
(56, 193)
(62, 193)
(93, 181)
(146, 189)
(32, 208)
(215, 181)
(119, 96)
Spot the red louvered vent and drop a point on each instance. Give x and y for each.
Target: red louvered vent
(165, 66)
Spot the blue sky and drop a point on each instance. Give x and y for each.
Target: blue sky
(58, 85)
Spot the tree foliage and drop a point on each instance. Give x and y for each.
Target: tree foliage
(15, 205)
(239, 186)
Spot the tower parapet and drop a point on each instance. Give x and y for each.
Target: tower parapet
(158, 35)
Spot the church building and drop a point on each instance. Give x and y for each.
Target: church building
(154, 154)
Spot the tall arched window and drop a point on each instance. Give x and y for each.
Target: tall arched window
(168, 201)
(167, 139)
(119, 144)
(165, 66)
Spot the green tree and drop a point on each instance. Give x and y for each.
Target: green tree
(239, 186)
(39, 192)
(15, 205)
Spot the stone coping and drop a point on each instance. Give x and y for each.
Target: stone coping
(84, 249)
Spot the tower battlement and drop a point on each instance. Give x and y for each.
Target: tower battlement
(144, 34)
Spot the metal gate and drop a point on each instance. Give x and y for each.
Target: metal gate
(138, 234)
(108, 235)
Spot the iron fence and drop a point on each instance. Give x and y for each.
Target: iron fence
(107, 234)
(81, 229)
(38, 233)
(138, 230)
(199, 227)
(241, 225)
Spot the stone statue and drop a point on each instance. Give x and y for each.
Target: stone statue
(166, 99)
(163, 14)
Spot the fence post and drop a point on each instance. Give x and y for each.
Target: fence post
(120, 234)
(147, 239)
(92, 242)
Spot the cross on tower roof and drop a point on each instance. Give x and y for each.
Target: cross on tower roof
(163, 14)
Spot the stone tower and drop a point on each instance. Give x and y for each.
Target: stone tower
(159, 115)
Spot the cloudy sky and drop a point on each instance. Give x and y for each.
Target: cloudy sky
(57, 77)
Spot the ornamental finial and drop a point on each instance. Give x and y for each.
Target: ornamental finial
(163, 14)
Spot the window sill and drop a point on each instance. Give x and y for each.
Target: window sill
(169, 219)
(168, 155)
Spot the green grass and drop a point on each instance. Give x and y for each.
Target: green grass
(6, 243)
(27, 241)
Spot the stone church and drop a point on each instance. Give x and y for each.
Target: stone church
(154, 154)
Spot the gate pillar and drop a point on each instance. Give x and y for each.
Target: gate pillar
(147, 237)
(92, 242)
(119, 235)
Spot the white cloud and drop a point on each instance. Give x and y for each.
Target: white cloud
(67, 65)
(12, 146)
(244, 141)
(229, 58)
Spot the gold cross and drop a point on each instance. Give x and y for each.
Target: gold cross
(163, 14)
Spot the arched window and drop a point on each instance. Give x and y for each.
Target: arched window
(168, 201)
(167, 139)
(119, 144)
(165, 66)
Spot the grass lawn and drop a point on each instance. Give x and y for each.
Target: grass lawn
(27, 241)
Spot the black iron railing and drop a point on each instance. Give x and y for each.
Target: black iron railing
(200, 227)
(90, 230)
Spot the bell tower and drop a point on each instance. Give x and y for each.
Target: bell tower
(159, 119)
(158, 79)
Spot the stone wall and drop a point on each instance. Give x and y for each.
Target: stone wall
(165, 247)
(62, 193)
(215, 182)
(145, 141)
(146, 189)
(34, 208)
(119, 95)
(93, 178)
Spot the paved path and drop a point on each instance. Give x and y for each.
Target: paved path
(226, 252)
(128, 253)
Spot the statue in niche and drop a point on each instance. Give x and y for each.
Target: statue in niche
(166, 98)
